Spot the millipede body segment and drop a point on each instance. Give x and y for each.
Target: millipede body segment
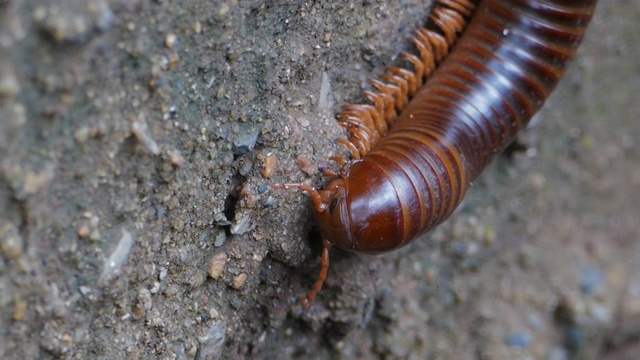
(429, 132)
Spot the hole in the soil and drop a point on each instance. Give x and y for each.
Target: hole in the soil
(315, 240)
(230, 206)
(231, 202)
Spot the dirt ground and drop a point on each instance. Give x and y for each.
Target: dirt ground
(136, 222)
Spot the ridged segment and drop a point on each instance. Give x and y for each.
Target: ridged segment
(499, 74)
(367, 124)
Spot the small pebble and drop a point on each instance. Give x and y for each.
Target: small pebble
(118, 257)
(155, 288)
(239, 280)
(213, 313)
(176, 158)
(270, 201)
(245, 167)
(140, 130)
(257, 258)
(82, 135)
(221, 238)
(269, 165)
(163, 274)
(95, 235)
(84, 231)
(66, 337)
(10, 241)
(241, 226)
(245, 142)
(170, 40)
(197, 27)
(216, 265)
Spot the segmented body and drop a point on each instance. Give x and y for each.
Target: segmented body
(410, 172)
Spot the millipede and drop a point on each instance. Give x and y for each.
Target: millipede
(484, 68)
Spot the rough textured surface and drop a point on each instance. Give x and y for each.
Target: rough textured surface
(135, 220)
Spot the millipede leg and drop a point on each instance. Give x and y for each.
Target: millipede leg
(355, 153)
(330, 173)
(339, 159)
(324, 269)
(315, 194)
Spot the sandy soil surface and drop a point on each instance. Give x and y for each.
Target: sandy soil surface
(136, 221)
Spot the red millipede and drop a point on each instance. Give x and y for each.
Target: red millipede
(409, 172)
